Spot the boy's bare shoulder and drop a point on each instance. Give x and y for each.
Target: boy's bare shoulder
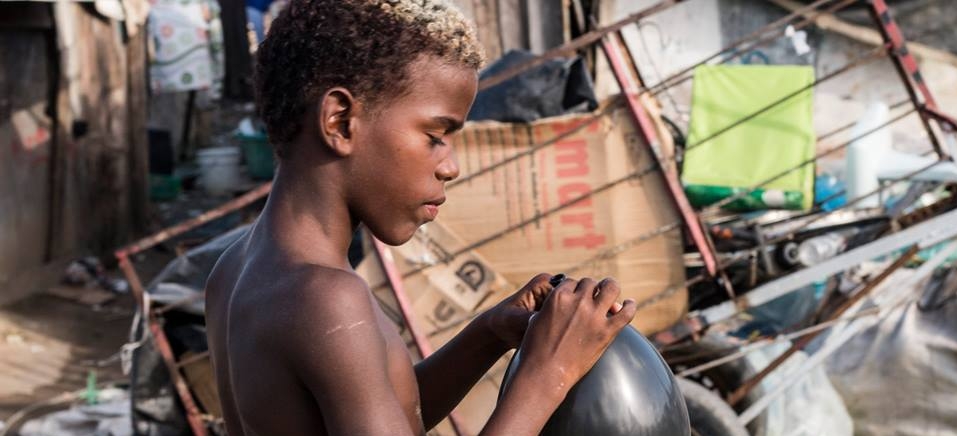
(321, 290)
(333, 339)
(319, 300)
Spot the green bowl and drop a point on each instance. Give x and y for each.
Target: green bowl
(258, 154)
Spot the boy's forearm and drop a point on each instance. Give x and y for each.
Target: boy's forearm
(527, 403)
(448, 374)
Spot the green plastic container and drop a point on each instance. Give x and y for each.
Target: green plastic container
(164, 187)
(756, 199)
(258, 154)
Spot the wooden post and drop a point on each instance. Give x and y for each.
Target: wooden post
(138, 142)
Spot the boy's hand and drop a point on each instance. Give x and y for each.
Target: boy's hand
(509, 319)
(577, 322)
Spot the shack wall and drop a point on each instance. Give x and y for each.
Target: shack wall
(73, 152)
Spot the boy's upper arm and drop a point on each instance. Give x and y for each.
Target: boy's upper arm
(337, 350)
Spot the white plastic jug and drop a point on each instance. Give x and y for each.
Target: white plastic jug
(872, 158)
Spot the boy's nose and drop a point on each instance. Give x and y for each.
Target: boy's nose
(448, 168)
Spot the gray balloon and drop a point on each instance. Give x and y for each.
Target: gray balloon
(630, 391)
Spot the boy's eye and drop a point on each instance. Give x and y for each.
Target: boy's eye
(435, 140)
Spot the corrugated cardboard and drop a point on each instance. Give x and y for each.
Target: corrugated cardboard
(570, 239)
(449, 290)
(199, 376)
(444, 298)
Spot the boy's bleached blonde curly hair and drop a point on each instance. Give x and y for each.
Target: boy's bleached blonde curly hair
(362, 45)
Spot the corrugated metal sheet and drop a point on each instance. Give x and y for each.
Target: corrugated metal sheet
(25, 139)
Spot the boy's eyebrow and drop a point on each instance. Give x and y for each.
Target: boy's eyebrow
(451, 124)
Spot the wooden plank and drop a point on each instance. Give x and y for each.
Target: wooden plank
(487, 27)
(69, 185)
(61, 153)
(108, 208)
(545, 24)
(95, 174)
(138, 143)
(198, 371)
(512, 25)
(99, 180)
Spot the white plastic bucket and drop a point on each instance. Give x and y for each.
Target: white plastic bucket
(220, 169)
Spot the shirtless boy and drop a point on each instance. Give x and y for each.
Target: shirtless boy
(360, 98)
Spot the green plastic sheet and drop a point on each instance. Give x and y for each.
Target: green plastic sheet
(758, 149)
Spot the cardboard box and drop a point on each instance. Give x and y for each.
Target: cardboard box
(198, 373)
(445, 294)
(595, 237)
(444, 298)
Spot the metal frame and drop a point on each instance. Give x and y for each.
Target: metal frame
(926, 234)
(923, 103)
(394, 279)
(153, 318)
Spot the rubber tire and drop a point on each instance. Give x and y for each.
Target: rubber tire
(725, 378)
(710, 415)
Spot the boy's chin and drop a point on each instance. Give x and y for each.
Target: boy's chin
(395, 237)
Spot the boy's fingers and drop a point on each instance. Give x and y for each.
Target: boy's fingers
(586, 286)
(538, 281)
(539, 286)
(626, 314)
(564, 290)
(615, 308)
(607, 293)
(567, 284)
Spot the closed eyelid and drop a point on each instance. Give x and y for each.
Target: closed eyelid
(436, 139)
(450, 125)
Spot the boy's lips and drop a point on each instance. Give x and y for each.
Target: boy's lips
(436, 202)
(432, 210)
(432, 207)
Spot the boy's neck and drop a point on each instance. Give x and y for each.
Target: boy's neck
(306, 217)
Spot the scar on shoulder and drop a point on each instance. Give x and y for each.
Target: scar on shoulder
(341, 327)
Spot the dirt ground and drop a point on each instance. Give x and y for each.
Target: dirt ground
(51, 342)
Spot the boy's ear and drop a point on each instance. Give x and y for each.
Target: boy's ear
(337, 120)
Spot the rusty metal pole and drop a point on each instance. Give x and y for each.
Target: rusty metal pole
(907, 68)
(394, 278)
(185, 226)
(193, 414)
(648, 131)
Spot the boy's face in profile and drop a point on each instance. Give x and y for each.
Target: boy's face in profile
(403, 156)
